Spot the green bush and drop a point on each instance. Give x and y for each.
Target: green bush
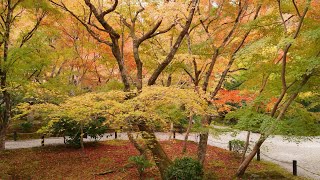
(26, 126)
(71, 130)
(141, 163)
(237, 145)
(185, 169)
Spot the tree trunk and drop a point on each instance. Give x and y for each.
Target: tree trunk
(117, 54)
(305, 79)
(169, 80)
(246, 146)
(141, 149)
(139, 65)
(81, 136)
(171, 131)
(202, 147)
(184, 149)
(244, 165)
(5, 114)
(159, 155)
(6, 104)
(3, 131)
(209, 72)
(203, 143)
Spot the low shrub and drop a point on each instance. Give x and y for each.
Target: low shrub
(71, 130)
(141, 163)
(185, 168)
(237, 146)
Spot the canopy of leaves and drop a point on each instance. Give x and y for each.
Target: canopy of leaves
(156, 106)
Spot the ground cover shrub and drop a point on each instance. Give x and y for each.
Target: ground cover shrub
(185, 168)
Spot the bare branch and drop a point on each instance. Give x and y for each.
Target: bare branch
(239, 69)
(111, 9)
(16, 16)
(16, 4)
(149, 34)
(296, 7)
(163, 31)
(282, 19)
(134, 19)
(91, 32)
(33, 30)
(175, 47)
(189, 74)
(100, 18)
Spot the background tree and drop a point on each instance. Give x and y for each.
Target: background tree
(283, 67)
(15, 50)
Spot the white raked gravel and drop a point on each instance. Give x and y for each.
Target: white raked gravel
(275, 149)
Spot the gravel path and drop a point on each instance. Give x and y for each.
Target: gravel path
(275, 149)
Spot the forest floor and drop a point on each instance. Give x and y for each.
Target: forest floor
(276, 149)
(61, 162)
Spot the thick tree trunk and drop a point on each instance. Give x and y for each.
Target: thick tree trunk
(202, 147)
(6, 102)
(244, 165)
(139, 65)
(141, 149)
(184, 149)
(5, 114)
(3, 131)
(203, 142)
(123, 72)
(159, 155)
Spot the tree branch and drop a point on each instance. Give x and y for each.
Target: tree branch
(33, 30)
(239, 69)
(175, 47)
(282, 19)
(163, 31)
(111, 9)
(90, 31)
(296, 7)
(149, 34)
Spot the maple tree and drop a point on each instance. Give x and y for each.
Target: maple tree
(16, 52)
(155, 107)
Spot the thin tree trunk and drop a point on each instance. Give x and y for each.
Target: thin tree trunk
(209, 72)
(169, 80)
(81, 136)
(246, 146)
(159, 155)
(171, 131)
(244, 165)
(184, 149)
